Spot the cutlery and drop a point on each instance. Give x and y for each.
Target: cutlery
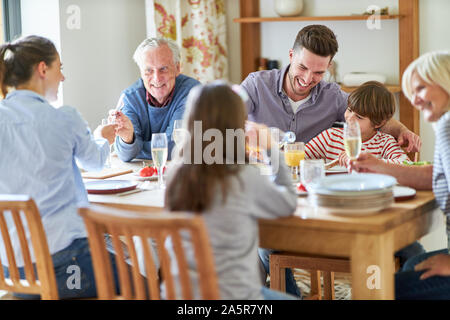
(129, 192)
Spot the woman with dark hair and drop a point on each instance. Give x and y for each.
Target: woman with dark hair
(40, 148)
(229, 193)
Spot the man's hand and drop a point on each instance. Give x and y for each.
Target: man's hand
(106, 131)
(413, 141)
(367, 163)
(258, 135)
(125, 129)
(438, 265)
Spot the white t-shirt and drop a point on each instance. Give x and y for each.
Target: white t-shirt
(296, 104)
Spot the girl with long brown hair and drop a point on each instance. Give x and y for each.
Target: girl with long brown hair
(229, 193)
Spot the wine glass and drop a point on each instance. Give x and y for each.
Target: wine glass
(177, 134)
(352, 139)
(159, 155)
(293, 154)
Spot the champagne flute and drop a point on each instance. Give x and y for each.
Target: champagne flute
(177, 134)
(352, 139)
(108, 163)
(159, 155)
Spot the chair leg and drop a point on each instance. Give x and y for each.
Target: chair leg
(277, 274)
(316, 288)
(397, 264)
(328, 285)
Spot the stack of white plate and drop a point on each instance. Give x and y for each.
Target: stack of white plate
(353, 194)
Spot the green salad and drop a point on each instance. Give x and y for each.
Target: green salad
(418, 163)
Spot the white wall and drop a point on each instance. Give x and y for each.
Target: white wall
(41, 18)
(46, 24)
(433, 35)
(97, 57)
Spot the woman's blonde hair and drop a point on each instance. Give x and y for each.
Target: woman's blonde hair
(432, 67)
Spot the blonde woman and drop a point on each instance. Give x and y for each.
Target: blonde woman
(426, 82)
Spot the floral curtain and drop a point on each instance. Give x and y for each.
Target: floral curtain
(199, 28)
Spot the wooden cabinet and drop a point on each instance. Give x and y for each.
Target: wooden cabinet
(408, 38)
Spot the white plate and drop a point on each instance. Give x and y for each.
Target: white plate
(151, 178)
(355, 182)
(109, 186)
(403, 193)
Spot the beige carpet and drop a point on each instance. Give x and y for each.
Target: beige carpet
(342, 284)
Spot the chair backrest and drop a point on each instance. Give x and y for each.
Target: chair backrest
(17, 206)
(124, 226)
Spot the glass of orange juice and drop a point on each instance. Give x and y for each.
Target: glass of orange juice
(293, 154)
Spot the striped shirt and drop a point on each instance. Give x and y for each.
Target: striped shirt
(441, 167)
(329, 144)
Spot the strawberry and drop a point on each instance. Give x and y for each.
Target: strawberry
(301, 187)
(147, 171)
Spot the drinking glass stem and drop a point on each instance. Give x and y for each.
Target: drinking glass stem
(353, 171)
(160, 178)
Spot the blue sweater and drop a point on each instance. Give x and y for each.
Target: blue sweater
(148, 119)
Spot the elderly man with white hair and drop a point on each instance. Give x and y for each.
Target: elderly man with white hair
(154, 102)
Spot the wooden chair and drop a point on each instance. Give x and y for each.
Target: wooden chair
(46, 285)
(280, 261)
(125, 225)
(316, 266)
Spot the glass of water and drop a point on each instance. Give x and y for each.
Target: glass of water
(311, 171)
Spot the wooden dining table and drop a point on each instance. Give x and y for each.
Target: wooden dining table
(369, 241)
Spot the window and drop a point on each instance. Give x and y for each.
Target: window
(12, 25)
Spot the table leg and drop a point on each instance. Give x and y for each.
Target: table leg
(373, 267)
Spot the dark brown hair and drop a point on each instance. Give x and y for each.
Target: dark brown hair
(17, 60)
(191, 186)
(318, 39)
(374, 101)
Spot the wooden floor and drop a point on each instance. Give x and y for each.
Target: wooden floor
(5, 295)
